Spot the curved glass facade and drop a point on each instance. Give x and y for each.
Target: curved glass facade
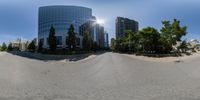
(61, 17)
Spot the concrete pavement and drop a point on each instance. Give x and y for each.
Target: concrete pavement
(109, 76)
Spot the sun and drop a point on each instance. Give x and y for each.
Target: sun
(101, 21)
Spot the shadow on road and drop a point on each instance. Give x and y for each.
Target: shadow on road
(47, 57)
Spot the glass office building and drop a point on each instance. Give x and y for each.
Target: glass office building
(61, 17)
(95, 30)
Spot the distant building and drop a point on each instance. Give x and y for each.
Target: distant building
(95, 30)
(20, 44)
(106, 43)
(101, 37)
(124, 24)
(194, 44)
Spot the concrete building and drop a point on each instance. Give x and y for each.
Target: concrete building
(124, 24)
(95, 30)
(61, 17)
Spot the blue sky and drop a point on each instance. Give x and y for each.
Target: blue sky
(18, 18)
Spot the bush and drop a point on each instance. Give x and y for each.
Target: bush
(3, 47)
(31, 47)
(10, 48)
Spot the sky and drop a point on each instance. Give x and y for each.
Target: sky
(19, 18)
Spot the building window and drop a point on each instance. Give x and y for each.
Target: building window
(47, 41)
(42, 41)
(67, 40)
(78, 41)
(59, 40)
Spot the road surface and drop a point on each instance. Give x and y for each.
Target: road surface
(109, 76)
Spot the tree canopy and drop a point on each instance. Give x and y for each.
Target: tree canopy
(10, 48)
(4, 47)
(31, 46)
(171, 33)
(150, 40)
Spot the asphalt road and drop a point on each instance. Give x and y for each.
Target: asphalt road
(109, 76)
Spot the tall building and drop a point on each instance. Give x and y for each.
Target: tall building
(124, 24)
(101, 36)
(61, 17)
(106, 40)
(95, 30)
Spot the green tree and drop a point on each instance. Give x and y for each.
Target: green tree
(150, 39)
(113, 44)
(132, 40)
(183, 47)
(177, 30)
(122, 44)
(4, 47)
(10, 48)
(171, 33)
(71, 38)
(87, 41)
(52, 39)
(31, 46)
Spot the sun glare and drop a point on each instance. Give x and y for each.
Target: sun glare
(101, 21)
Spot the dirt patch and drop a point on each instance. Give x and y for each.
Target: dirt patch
(2, 53)
(165, 59)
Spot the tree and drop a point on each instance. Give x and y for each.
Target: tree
(31, 46)
(52, 39)
(40, 46)
(122, 44)
(87, 41)
(127, 43)
(150, 39)
(183, 46)
(171, 33)
(71, 38)
(177, 30)
(132, 40)
(113, 43)
(10, 48)
(3, 47)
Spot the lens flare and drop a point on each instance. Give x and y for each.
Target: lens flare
(101, 21)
